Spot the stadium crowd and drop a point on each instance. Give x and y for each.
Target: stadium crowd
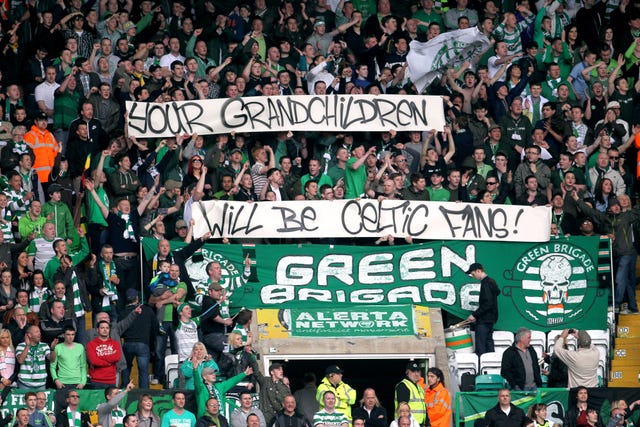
(548, 114)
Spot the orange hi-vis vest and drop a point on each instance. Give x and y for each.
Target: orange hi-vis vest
(46, 148)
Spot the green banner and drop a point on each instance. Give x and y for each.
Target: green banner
(390, 321)
(472, 406)
(15, 401)
(550, 285)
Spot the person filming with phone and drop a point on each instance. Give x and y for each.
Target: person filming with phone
(583, 362)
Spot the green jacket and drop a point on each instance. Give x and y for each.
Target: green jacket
(76, 258)
(27, 226)
(202, 392)
(62, 219)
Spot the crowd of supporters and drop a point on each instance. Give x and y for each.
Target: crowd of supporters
(548, 114)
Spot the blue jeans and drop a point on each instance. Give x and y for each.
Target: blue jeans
(626, 280)
(484, 338)
(142, 353)
(81, 330)
(161, 348)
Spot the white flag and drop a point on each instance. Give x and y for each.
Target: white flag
(448, 50)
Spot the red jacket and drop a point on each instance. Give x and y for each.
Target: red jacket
(103, 357)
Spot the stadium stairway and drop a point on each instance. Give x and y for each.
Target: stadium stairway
(625, 354)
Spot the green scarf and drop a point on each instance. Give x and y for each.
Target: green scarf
(37, 297)
(75, 419)
(108, 270)
(77, 301)
(128, 230)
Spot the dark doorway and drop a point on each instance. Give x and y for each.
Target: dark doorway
(380, 374)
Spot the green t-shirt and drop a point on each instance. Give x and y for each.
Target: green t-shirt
(336, 173)
(168, 313)
(70, 365)
(186, 419)
(354, 180)
(439, 195)
(94, 213)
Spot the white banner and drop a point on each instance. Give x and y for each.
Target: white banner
(448, 50)
(370, 218)
(337, 113)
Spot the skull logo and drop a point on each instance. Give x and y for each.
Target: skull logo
(555, 273)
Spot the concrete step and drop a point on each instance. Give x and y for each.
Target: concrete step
(624, 376)
(628, 326)
(627, 349)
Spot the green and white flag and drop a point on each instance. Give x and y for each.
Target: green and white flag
(448, 50)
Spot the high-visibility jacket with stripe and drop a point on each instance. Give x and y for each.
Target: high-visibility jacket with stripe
(345, 396)
(438, 403)
(416, 400)
(45, 148)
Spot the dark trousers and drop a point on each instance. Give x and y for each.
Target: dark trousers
(215, 345)
(161, 349)
(129, 273)
(142, 353)
(484, 338)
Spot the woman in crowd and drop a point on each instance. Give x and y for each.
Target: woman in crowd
(199, 358)
(144, 411)
(21, 272)
(404, 411)
(538, 413)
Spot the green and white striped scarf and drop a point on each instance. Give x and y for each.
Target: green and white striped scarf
(37, 297)
(128, 230)
(108, 270)
(6, 226)
(77, 301)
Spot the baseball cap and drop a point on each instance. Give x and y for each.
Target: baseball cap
(613, 104)
(53, 188)
(333, 369)
(41, 116)
(128, 25)
(275, 366)
(181, 223)
(131, 294)
(172, 184)
(215, 287)
(412, 366)
(475, 266)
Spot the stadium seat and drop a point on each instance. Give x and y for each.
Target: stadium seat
(502, 340)
(490, 363)
(538, 342)
(171, 370)
(600, 339)
(490, 382)
(551, 340)
(467, 362)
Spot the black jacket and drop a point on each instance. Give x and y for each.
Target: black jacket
(495, 417)
(282, 420)
(206, 421)
(512, 368)
(377, 418)
(62, 419)
(146, 326)
(487, 311)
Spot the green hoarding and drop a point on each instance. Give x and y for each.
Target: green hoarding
(390, 321)
(549, 285)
